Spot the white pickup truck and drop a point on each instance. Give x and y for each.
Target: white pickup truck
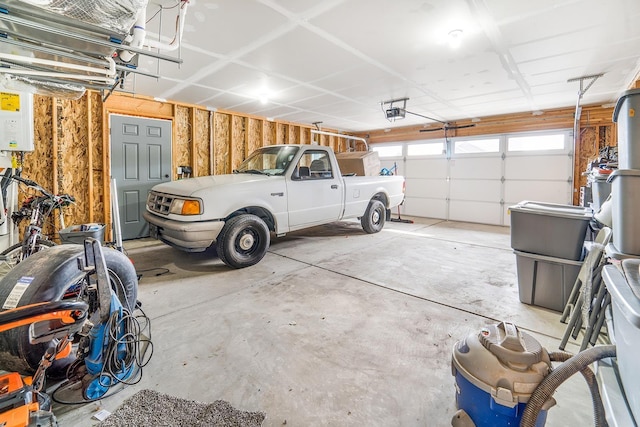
(278, 188)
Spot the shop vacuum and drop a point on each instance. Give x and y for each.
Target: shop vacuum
(504, 377)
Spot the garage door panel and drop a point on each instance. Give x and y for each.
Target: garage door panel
(434, 188)
(427, 168)
(541, 191)
(429, 208)
(551, 167)
(482, 212)
(477, 168)
(479, 190)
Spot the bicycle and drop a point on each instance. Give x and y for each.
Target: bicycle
(38, 210)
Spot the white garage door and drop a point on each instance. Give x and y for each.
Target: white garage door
(477, 179)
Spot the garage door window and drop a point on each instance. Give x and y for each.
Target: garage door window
(474, 146)
(426, 149)
(536, 142)
(388, 151)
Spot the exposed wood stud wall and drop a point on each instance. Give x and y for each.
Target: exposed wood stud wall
(193, 146)
(222, 132)
(254, 134)
(182, 143)
(270, 133)
(38, 164)
(97, 167)
(237, 142)
(201, 166)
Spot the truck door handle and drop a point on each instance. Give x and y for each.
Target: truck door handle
(334, 186)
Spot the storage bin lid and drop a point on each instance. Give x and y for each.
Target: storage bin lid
(624, 293)
(631, 267)
(503, 361)
(546, 258)
(621, 100)
(553, 209)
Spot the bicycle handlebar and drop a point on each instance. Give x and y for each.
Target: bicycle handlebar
(32, 184)
(25, 181)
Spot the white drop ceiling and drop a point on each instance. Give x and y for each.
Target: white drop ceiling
(334, 61)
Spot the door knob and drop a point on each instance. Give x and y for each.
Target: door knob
(166, 175)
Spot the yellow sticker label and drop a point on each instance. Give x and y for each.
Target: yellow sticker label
(9, 101)
(632, 112)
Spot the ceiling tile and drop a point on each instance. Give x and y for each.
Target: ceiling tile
(302, 55)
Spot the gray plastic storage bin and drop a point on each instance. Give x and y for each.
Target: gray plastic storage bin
(628, 129)
(77, 233)
(625, 210)
(545, 281)
(625, 304)
(549, 229)
(600, 190)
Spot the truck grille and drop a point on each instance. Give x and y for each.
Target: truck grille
(159, 203)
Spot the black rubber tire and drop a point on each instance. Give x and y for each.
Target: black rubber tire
(54, 272)
(243, 241)
(374, 217)
(13, 253)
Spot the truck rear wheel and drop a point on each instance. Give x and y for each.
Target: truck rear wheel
(243, 241)
(374, 217)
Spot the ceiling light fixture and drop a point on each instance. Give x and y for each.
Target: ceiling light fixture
(455, 38)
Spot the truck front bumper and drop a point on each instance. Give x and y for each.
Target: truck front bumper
(186, 236)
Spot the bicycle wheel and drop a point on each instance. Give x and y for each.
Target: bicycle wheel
(55, 277)
(13, 255)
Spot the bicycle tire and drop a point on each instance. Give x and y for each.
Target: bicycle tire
(55, 272)
(12, 253)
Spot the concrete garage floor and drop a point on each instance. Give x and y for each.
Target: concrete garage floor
(334, 326)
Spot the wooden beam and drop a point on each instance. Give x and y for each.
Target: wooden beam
(194, 155)
(174, 134)
(90, 142)
(230, 144)
(140, 107)
(106, 174)
(54, 144)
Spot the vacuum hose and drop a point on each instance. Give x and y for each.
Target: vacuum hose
(598, 408)
(559, 375)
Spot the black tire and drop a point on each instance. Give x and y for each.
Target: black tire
(13, 254)
(243, 241)
(374, 217)
(55, 275)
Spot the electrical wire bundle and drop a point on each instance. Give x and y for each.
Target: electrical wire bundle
(128, 349)
(128, 340)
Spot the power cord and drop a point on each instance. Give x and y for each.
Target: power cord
(134, 340)
(162, 271)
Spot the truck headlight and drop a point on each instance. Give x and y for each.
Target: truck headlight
(185, 207)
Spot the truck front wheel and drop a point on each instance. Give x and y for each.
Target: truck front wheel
(243, 241)
(374, 217)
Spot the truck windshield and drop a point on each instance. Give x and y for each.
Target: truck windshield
(272, 160)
